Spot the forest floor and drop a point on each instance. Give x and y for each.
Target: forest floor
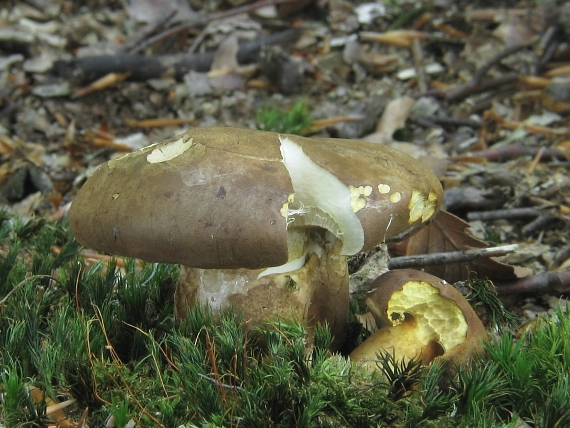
(480, 93)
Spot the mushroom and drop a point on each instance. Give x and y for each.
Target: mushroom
(420, 316)
(259, 220)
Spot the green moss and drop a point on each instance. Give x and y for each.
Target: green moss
(105, 335)
(296, 120)
(482, 294)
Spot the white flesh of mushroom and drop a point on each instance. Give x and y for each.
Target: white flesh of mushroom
(320, 200)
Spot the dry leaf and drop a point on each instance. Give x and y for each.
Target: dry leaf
(394, 117)
(151, 11)
(54, 410)
(225, 58)
(448, 233)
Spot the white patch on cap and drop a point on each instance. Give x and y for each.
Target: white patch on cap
(317, 190)
(170, 150)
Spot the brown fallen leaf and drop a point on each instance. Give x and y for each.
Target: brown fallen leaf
(54, 411)
(100, 84)
(448, 233)
(393, 118)
(401, 38)
(159, 122)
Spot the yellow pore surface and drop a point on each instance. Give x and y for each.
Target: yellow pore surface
(437, 318)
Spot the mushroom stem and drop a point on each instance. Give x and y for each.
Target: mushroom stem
(317, 292)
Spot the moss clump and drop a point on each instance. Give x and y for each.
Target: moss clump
(104, 335)
(296, 120)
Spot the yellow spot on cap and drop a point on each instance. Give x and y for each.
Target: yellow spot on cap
(115, 196)
(358, 204)
(384, 188)
(356, 201)
(396, 197)
(284, 210)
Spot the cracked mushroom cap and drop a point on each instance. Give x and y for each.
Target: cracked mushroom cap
(419, 315)
(228, 198)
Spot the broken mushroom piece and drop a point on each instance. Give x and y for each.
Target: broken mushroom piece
(259, 220)
(420, 316)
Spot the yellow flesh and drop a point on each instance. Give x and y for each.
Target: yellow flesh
(437, 318)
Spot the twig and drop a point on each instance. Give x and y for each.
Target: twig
(131, 45)
(59, 406)
(200, 22)
(561, 256)
(469, 88)
(474, 87)
(536, 160)
(423, 260)
(102, 83)
(159, 122)
(154, 269)
(549, 43)
(508, 51)
(21, 284)
(418, 56)
(544, 282)
(538, 224)
(224, 385)
(450, 121)
(505, 153)
(424, 121)
(320, 124)
(509, 213)
(141, 67)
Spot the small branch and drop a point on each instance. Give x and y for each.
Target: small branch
(515, 150)
(223, 385)
(508, 51)
(510, 213)
(547, 47)
(475, 87)
(446, 121)
(53, 408)
(131, 45)
(142, 67)
(538, 224)
(201, 22)
(423, 260)
(21, 284)
(418, 56)
(470, 88)
(154, 269)
(545, 282)
(561, 256)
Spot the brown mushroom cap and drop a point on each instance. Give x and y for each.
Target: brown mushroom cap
(224, 197)
(419, 315)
